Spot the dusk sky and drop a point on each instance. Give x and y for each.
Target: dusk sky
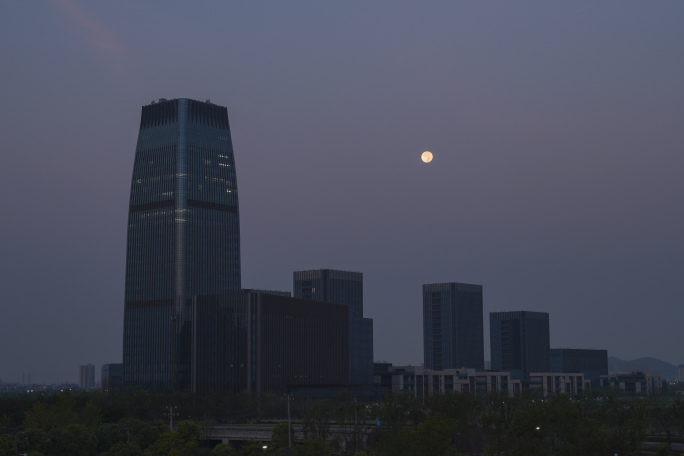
(557, 129)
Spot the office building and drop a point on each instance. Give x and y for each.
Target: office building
(111, 376)
(553, 383)
(520, 342)
(579, 360)
(295, 342)
(343, 287)
(453, 335)
(86, 378)
(183, 248)
(418, 381)
(642, 383)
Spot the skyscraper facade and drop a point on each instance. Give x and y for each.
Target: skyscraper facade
(343, 287)
(453, 334)
(295, 342)
(183, 242)
(520, 342)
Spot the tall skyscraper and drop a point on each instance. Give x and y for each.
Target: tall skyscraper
(343, 287)
(183, 249)
(453, 334)
(520, 342)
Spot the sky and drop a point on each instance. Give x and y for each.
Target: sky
(556, 184)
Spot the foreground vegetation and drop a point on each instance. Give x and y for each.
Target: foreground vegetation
(135, 423)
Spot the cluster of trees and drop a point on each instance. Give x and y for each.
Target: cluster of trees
(133, 423)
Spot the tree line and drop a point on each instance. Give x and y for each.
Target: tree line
(136, 423)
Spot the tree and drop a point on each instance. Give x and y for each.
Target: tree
(279, 438)
(436, 436)
(315, 447)
(224, 449)
(124, 449)
(180, 442)
(91, 415)
(316, 420)
(61, 414)
(73, 440)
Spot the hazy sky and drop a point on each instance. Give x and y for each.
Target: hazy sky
(557, 130)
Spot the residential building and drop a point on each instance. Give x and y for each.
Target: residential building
(520, 342)
(86, 378)
(453, 335)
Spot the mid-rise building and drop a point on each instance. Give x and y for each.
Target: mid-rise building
(680, 373)
(453, 335)
(183, 244)
(86, 378)
(343, 287)
(111, 376)
(579, 360)
(519, 342)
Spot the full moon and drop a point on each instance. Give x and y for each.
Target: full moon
(426, 157)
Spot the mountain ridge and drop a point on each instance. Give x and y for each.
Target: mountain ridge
(667, 370)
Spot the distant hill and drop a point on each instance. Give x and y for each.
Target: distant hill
(667, 370)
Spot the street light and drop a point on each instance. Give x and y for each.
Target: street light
(289, 397)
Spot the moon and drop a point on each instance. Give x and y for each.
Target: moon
(426, 156)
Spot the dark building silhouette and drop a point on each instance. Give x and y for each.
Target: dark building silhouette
(183, 247)
(453, 335)
(579, 360)
(520, 342)
(86, 378)
(188, 325)
(111, 376)
(343, 287)
(295, 342)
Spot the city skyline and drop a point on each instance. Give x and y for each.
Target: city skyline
(555, 182)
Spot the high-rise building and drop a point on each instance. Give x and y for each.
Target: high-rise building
(520, 342)
(295, 342)
(453, 335)
(183, 248)
(86, 378)
(343, 287)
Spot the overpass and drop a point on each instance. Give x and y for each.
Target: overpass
(264, 433)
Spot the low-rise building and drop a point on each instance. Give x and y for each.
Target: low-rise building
(643, 383)
(552, 383)
(418, 381)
